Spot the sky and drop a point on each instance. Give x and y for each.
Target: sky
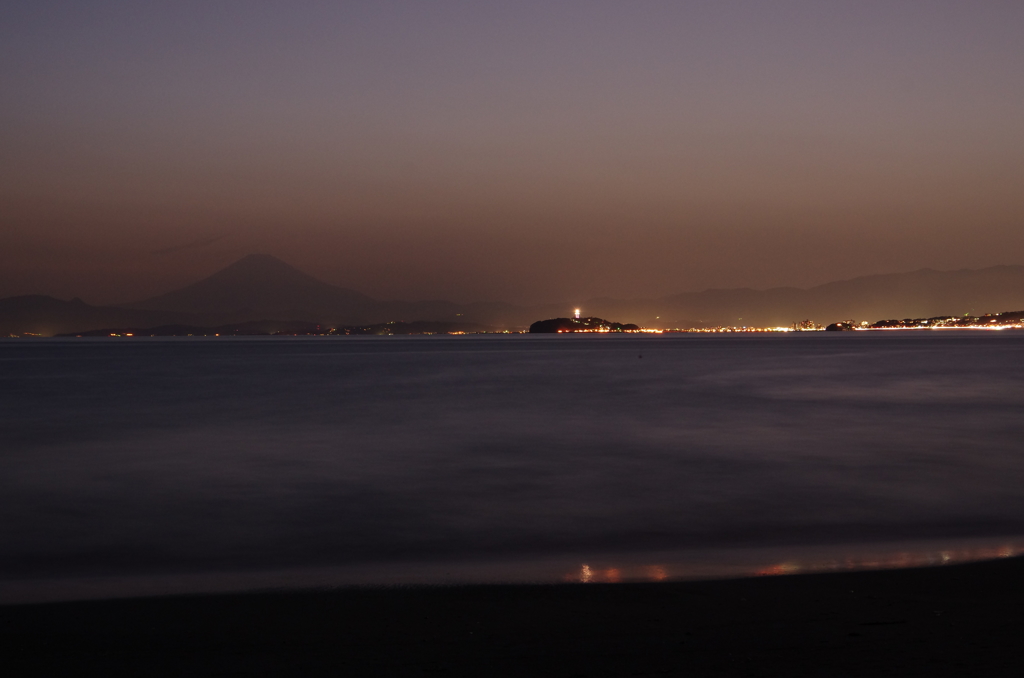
(517, 151)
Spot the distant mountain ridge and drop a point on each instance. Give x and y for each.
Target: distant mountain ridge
(47, 316)
(261, 287)
(922, 293)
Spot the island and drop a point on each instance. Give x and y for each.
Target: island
(560, 325)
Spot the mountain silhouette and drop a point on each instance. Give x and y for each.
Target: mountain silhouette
(262, 286)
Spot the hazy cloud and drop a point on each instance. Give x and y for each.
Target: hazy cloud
(194, 245)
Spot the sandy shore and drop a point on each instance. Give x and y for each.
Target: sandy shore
(944, 621)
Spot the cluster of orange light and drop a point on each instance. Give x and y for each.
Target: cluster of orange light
(1017, 326)
(614, 575)
(605, 330)
(721, 330)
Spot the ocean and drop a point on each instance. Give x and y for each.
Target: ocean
(132, 466)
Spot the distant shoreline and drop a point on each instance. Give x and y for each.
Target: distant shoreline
(261, 290)
(146, 334)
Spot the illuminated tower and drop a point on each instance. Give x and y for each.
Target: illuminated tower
(577, 312)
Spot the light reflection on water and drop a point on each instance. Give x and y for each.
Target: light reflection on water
(222, 463)
(866, 557)
(612, 569)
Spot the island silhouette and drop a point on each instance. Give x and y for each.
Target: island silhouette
(591, 324)
(260, 289)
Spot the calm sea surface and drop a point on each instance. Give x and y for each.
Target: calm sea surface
(160, 465)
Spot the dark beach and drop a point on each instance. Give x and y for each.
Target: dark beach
(949, 620)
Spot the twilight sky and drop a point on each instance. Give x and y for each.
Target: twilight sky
(521, 151)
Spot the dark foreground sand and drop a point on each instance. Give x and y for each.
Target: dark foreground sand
(965, 620)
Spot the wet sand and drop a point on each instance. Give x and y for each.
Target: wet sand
(944, 621)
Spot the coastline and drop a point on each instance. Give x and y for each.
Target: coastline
(944, 620)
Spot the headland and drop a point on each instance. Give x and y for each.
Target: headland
(577, 324)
